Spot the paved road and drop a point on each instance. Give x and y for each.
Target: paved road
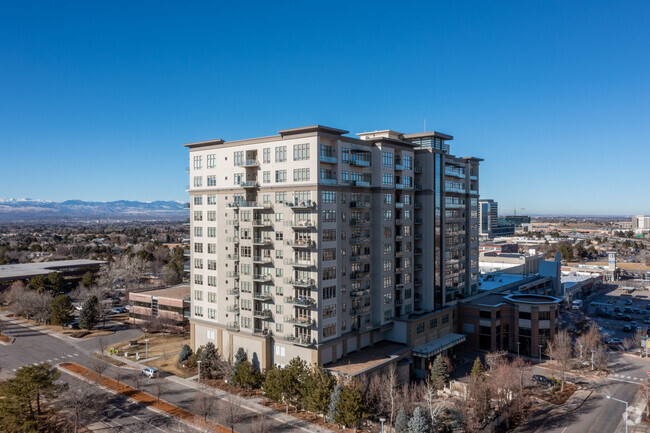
(35, 346)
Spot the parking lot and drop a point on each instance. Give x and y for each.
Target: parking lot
(620, 314)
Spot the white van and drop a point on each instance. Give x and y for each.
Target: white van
(577, 304)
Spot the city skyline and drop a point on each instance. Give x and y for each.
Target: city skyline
(525, 87)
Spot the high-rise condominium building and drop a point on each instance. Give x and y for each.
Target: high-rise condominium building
(488, 217)
(315, 244)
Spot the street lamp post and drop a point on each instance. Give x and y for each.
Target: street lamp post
(540, 353)
(580, 369)
(621, 401)
(199, 364)
(592, 359)
(518, 343)
(146, 349)
(382, 421)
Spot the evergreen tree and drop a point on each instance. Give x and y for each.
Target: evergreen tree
(240, 357)
(60, 308)
(88, 279)
(293, 379)
(439, 373)
(479, 392)
(247, 376)
(351, 408)
(209, 358)
(317, 389)
(273, 384)
(186, 352)
(418, 423)
(402, 422)
(89, 313)
(334, 401)
(477, 368)
(55, 282)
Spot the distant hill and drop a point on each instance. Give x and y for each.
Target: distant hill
(26, 209)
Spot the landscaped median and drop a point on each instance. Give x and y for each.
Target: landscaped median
(141, 397)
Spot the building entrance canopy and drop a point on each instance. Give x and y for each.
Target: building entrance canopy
(435, 347)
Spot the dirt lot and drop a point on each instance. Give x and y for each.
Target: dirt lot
(170, 365)
(167, 345)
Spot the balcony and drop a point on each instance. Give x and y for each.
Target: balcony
(360, 240)
(262, 332)
(417, 251)
(473, 192)
(360, 258)
(186, 205)
(327, 181)
(399, 253)
(399, 270)
(473, 177)
(418, 236)
(359, 204)
(232, 239)
(301, 205)
(303, 224)
(454, 205)
(399, 221)
(262, 260)
(328, 159)
(233, 257)
(249, 184)
(359, 310)
(263, 241)
(186, 253)
(418, 187)
(289, 337)
(400, 186)
(418, 205)
(234, 291)
(262, 314)
(455, 190)
(417, 282)
(300, 321)
(359, 293)
(232, 223)
(233, 308)
(263, 296)
(359, 163)
(305, 341)
(250, 163)
(232, 274)
(307, 282)
(399, 302)
(262, 278)
(418, 221)
(359, 275)
(418, 297)
(251, 204)
(186, 268)
(297, 263)
(233, 326)
(360, 183)
(399, 167)
(301, 301)
(454, 173)
(263, 223)
(417, 267)
(417, 169)
(360, 222)
(399, 205)
(301, 243)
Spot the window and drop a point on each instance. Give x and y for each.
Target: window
(198, 310)
(387, 179)
(329, 273)
(198, 215)
(212, 232)
(329, 216)
(198, 247)
(345, 155)
(212, 314)
(280, 175)
(280, 153)
(388, 198)
(388, 232)
(329, 311)
(212, 265)
(329, 235)
(266, 155)
(266, 177)
(483, 314)
(198, 199)
(388, 249)
(445, 319)
(212, 248)
(211, 161)
(280, 197)
(198, 263)
(212, 215)
(198, 181)
(212, 296)
(238, 158)
(301, 152)
(197, 163)
(407, 162)
(212, 199)
(388, 215)
(329, 254)
(329, 330)
(328, 196)
(388, 265)
(198, 295)
(329, 292)
(524, 315)
(433, 323)
(238, 178)
(212, 180)
(387, 159)
(388, 283)
(198, 231)
(543, 315)
(301, 175)
(198, 279)
(420, 328)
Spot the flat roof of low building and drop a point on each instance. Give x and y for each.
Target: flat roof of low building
(182, 291)
(22, 271)
(495, 280)
(490, 300)
(367, 358)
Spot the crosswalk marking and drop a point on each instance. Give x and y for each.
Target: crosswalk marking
(76, 354)
(49, 360)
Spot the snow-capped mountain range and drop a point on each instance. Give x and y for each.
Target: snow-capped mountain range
(27, 209)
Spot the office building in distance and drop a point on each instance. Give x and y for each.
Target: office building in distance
(315, 244)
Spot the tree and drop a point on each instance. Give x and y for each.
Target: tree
(645, 388)
(209, 357)
(479, 392)
(89, 313)
(186, 352)
(429, 395)
(560, 351)
(88, 279)
(333, 404)
(36, 382)
(98, 365)
(477, 368)
(317, 388)
(601, 359)
(418, 423)
(402, 422)
(247, 376)
(83, 401)
(439, 373)
(60, 308)
(203, 405)
(160, 386)
(392, 386)
(240, 357)
(55, 282)
(234, 411)
(567, 252)
(351, 408)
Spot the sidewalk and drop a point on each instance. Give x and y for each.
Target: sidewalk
(548, 412)
(635, 415)
(251, 405)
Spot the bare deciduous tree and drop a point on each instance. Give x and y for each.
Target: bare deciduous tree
(234, 412)
(83, 401)
(203, 405)
(601, 359)
(98, 365)
(160, 386)
(561, 353)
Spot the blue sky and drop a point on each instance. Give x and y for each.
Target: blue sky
(96, 98)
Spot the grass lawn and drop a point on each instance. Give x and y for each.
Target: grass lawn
(167, 345)
(170, 365)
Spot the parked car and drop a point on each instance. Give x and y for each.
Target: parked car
(619, 316)
(72, 325)
(646, 320)
(613, 341)
(118, 310)
(627, 310)
(647, 306)
(617, 309)
(150, 372)
(636, 311)
(628, 318)
(542, 380)
(627, 328)
(628, 302)
(79, 307)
